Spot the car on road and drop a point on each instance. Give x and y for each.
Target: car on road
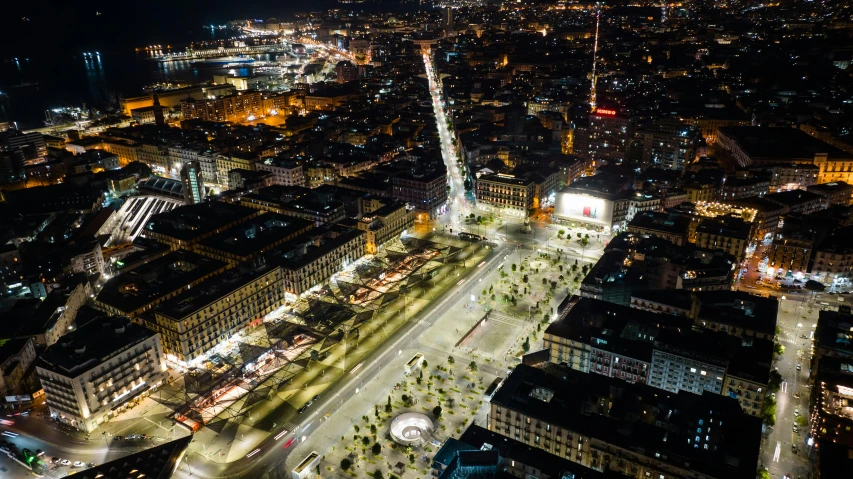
(55, 460)
(65, 462)
(116, 438)
(79, 464)
(302, 409)
(799, 368)
(315, 398)
(288, 443)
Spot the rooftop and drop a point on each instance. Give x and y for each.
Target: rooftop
(192, 300)
(256, 235)
(663, 222)
(159, 462)
(90, 345)
(151, 282)
(187, 223)
(781, 143)
(650, 421)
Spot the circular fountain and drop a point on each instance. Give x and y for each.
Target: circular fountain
(411, 429)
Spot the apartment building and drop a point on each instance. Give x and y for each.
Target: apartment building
(16, 360)
(836, 192)
(193, 322)
(295, 202)
(659, 348)
(246, 241)
(285, 172)
(241, 106)
(382, 220)
(423, 189)
(729, 234)
(181, 155)
(184, 226)
(507, 193)
(144, 287)
(226, 163)
(313, 258)
(615, 427)
(97, 371)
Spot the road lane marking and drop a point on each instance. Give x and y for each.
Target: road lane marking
(777, 452)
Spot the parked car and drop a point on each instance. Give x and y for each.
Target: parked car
(799, 368)
(116, 438)
(65, 462)
(302, 409)
(796, 412)
(796, 429)
(79, 464)
(55, 460)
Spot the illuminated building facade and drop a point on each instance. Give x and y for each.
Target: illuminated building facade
(195, 321)
(609, 136)
(95, 372)
(507, 193)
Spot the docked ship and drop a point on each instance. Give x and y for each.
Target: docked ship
(223, 61)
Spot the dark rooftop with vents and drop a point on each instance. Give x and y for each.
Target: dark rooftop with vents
(87, 347)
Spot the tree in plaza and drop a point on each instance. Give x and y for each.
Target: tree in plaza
(492, 297)
(491, 288)
(485, 292)
(775, 381)
(778, 349)
(365, 440)
(436, 411)
(376, 449)
(513, 267)
(580, 236)
(526, 345)
(763, 474)
(411, 458)
(450, 360)
(561, 233)
(355, 427)
(424, 365)
(377, 474)
(345, 464)
(373, 429)
(544, 281)
(524, 279)
(472, 366)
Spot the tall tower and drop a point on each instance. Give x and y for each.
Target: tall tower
(159, 120)
(193, 183)
(448, 18)
(594, 60)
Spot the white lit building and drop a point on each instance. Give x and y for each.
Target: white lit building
(94, 373)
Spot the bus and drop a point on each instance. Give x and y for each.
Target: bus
(470, 237)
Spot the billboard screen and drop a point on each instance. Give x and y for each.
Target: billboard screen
(584, 209)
